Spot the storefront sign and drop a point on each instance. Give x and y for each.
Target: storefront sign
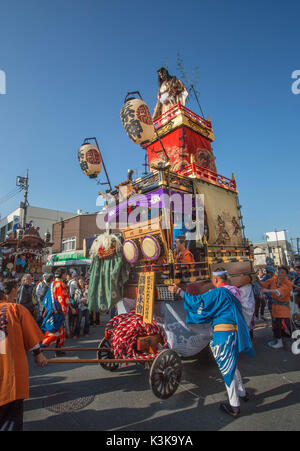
(64, 256)
(68, 258)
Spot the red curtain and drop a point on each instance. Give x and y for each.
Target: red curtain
(180, 144)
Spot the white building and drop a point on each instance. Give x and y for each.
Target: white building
(43, 218)
(276, 248)
(277, 235)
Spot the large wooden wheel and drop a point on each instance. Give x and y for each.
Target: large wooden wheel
(106, 354)
(165, 374)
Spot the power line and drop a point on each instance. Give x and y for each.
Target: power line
(10, 195)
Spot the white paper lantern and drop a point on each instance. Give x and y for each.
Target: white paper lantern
(19, 233)
(137, 121)
(90, 160)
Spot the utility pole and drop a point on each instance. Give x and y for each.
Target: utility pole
(278, 249)
(61, 233)
(22, 182)
(25, 199)
(297, 246)
(291, 240)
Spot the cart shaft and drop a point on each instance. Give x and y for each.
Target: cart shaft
(76, 349)
(100, 360)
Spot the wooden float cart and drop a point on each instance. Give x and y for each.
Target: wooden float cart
(185, 139)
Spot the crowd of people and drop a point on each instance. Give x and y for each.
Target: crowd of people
(31, 291)
(57, 302)
(35, 314)
(279, 291)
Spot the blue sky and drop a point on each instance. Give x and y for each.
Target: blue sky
(70, 63)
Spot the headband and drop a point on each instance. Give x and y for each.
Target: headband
(219, 273)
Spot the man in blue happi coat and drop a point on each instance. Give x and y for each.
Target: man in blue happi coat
(221, 307)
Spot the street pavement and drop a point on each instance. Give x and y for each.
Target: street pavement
(85, 397)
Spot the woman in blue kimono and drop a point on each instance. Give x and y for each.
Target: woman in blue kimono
(221, 307)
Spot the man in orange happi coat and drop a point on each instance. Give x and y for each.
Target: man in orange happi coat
(60, 294)
(280, 288)
(19, 333)
(182, 254)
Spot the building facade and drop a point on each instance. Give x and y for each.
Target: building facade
(68, 237)
(275, 250)
(30, 243)
(68, 234)
(43, 218)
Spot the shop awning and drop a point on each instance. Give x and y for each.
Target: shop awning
(68, 258)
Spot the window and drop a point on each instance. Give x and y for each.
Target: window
(69, 244)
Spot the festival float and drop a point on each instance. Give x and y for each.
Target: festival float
(24, 251)
(132, 269)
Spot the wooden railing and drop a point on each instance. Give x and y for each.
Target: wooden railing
(173, 112)
(205, 174)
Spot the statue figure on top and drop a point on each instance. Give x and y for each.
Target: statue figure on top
(171, 90)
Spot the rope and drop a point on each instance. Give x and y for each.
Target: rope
(123, 331)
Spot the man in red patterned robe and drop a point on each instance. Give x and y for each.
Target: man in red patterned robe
(61, 295)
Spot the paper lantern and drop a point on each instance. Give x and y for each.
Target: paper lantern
(90, 160)
(131, 251)
(47, 237)
(150, 247)
(137, 121)
(19, 233)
